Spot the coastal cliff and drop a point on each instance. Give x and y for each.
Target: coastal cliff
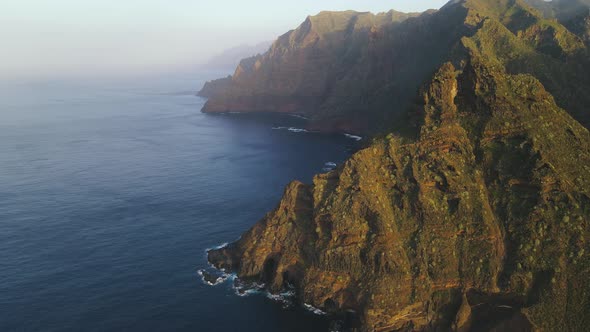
(337, 68)
(471, 214)
(359, 72)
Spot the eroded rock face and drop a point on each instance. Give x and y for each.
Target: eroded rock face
(343, 70)
(480, 222)
(359, 72)
(473, 216)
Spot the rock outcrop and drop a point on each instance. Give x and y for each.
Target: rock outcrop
(474, 217)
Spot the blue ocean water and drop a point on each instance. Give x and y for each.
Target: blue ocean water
(111, 191)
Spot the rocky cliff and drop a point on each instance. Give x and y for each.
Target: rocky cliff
(359, 72)
(337, 68)
(474, 217)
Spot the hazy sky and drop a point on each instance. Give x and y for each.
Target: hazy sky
(50, 37)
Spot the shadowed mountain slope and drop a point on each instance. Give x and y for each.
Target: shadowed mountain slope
(350, 71)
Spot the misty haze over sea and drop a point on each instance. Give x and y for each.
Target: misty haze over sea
(265, 166)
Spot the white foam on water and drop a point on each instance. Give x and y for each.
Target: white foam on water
(221, 246)
(297, 130)
(313, 309)
(291, 129)
(247, 292)
(285, 297)
(329, 166)
(299, 116)
(243, 289)
(219, 280)
(354, 137)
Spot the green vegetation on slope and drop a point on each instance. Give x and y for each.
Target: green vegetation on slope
(475, 219)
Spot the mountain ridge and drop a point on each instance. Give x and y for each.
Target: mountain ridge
(472, 212)
(349, 79)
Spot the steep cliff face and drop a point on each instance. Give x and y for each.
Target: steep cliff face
(340, 69)
(480, 222)
(475, 217)
(213, 89)
(359, 72)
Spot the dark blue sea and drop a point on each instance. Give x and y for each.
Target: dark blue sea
(112, 190)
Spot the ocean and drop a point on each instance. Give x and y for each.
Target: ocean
(112, 190)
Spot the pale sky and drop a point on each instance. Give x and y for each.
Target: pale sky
(62, 37)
